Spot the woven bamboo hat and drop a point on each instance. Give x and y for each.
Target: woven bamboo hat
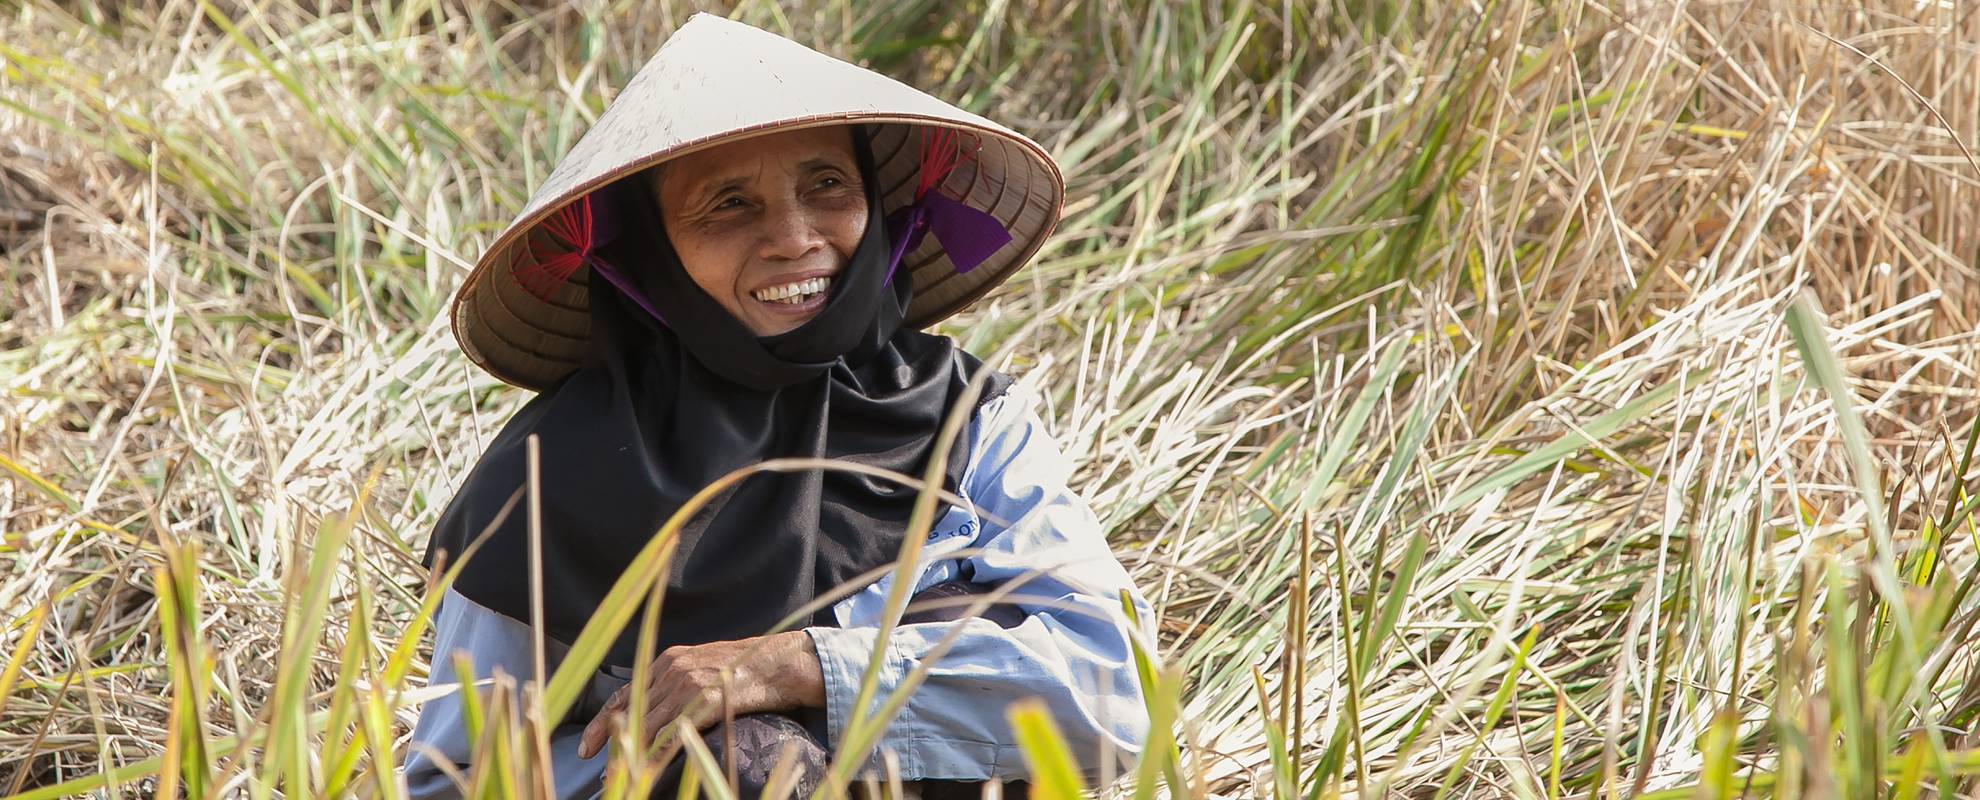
(717, 81)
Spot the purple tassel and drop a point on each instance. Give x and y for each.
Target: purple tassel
(968, 236)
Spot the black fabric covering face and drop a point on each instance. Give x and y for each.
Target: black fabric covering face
(659, 411)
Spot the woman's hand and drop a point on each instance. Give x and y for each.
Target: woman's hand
(782, 674)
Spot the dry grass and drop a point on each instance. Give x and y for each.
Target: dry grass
(1473, 327)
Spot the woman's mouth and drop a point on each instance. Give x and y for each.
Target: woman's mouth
(796, 295)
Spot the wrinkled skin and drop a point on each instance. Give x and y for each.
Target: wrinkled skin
(778, 672)
(764, 212)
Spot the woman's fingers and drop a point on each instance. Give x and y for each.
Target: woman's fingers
(706, 711)
(596, 731)
(691, 680)
(660, 710)
(594, 736)
(661, 713)
(702, 707)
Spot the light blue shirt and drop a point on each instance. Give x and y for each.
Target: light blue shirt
(1071, 651)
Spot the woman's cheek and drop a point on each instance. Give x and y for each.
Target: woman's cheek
(716, 249)
(849, 225)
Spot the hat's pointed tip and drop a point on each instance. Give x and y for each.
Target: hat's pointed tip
(707, 19)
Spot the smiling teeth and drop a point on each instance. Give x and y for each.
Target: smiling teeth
(792, 293)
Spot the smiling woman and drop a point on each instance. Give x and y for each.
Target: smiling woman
(764, 275)
(763, 225)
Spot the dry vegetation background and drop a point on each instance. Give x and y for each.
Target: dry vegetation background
(1437, 368)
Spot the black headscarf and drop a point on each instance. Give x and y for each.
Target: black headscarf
(659, 411)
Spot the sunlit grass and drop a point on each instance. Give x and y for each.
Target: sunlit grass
(1518, 399)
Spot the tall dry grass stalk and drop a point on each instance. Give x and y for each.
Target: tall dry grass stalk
(1520, 398)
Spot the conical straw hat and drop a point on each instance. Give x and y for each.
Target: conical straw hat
(717, 81)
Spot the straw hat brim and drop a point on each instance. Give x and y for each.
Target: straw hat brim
(534, 342)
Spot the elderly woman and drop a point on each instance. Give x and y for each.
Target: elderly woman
(734, 265)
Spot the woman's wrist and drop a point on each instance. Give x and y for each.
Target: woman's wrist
(798, 679)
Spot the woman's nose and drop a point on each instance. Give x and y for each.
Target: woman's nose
(792, 232)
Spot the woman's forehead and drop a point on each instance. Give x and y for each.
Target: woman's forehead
(744, 161)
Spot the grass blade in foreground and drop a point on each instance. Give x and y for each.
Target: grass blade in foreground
(1053, 775)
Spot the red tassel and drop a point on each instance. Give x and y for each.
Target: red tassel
(546, 269)
(941, 153)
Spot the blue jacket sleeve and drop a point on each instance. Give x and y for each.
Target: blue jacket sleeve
(1071, 651)
(493, 642)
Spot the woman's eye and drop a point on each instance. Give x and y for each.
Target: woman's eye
(828, 182)
(728, 202)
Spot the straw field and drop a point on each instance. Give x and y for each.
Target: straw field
(1515, 398)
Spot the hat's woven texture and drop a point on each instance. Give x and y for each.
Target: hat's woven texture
(718, 81)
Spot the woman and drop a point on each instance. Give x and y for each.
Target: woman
(731, 266)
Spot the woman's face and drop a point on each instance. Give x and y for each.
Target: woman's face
(764, 225)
